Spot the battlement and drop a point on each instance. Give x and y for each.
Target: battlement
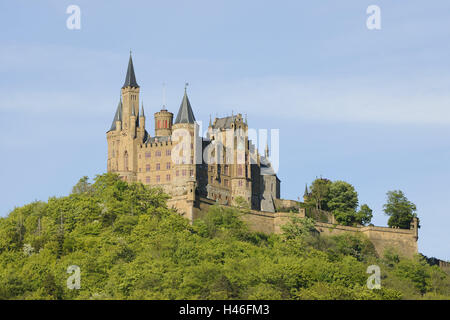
(156, 144)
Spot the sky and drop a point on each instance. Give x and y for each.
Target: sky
(370, 107)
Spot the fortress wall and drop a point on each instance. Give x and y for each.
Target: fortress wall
(181, 204)
(260, 221)
(285, 203)
(403, 241)
(445, 266)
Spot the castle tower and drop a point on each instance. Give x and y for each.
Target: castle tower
(163, 123)
(126, 132)
(141, 132)
(130, 96)
(185, 132)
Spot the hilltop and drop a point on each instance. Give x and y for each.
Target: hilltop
(129, 245)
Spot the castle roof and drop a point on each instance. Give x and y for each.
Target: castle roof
(157, 139)
(117, 116)
(185, 113)
(130, 79)
(223, 123)
(266, 167)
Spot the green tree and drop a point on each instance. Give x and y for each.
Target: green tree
(342, 197)
(400, 210)
(298, 228)
(82, 186)
(364, 215)
(319, 192)
(130, 245)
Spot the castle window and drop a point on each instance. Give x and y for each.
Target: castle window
(168, 177)
(168, 165)
(239, 170)
(158, 166)
(183, 172)
(177, 173)
(225, 182)
(147, 179)
(191, 172)
(148, 155)
(158, 179)
(240, 183)
(211, 179)
(147, 168)
(158, 153)
(168, 152)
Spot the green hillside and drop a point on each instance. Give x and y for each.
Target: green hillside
(129, 245)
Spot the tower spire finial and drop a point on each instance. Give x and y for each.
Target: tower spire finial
(306, 190)
(185, 86)
(130, 78)
(185, 113)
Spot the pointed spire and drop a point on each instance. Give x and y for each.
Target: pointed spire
(266, 151)
(306, 190)
(117, 116)
(130, 79)
(142, 110)
(185, 113)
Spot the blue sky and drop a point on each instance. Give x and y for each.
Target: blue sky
(367, 107)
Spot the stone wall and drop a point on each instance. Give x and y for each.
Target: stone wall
(285, 203)
(403, 241)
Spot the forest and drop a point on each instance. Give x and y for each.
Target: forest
(127, 244)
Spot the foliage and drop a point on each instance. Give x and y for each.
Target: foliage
(130, 245)
(340, 198)
(319, 192)
(298, 228)
(400, 210)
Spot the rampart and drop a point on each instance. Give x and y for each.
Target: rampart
(403, 241)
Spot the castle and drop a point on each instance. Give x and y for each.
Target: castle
(224, 167)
